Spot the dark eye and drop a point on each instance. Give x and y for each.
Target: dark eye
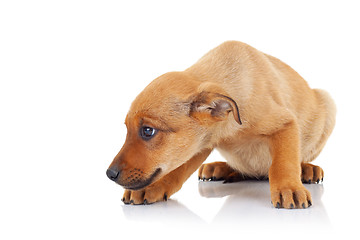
(147, 132)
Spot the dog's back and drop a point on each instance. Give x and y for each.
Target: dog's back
(268, 92)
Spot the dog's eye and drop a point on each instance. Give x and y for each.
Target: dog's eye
(147, 132)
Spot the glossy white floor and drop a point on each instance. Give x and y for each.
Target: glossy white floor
(81, 203)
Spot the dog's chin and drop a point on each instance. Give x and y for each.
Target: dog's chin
(142, 183)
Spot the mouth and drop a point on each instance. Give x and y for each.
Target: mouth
(143, 183)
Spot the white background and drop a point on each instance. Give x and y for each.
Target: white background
(69, 71)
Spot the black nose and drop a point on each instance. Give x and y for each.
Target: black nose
(112, 174)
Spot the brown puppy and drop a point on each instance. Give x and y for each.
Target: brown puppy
(257, 111)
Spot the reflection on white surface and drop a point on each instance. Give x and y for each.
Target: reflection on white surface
(166, 212)
(251, 201)
(244, 203)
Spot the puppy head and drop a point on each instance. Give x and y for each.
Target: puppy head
(173, 119)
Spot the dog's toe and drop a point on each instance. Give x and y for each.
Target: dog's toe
(134, 197)
(154, 193)
(291, 197)
(311, 173)
(126, 197)
(215, 171)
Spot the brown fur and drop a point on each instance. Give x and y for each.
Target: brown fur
(256, 110)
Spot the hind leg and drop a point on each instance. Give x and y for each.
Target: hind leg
(311, 173)
(215, 171)
(219, 171)
(317, 133)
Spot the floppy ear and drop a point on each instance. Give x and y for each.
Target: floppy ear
(215, 106)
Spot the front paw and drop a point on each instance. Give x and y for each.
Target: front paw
(290, 197)
(154, 193)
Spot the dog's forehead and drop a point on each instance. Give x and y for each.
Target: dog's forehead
(164, 93)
